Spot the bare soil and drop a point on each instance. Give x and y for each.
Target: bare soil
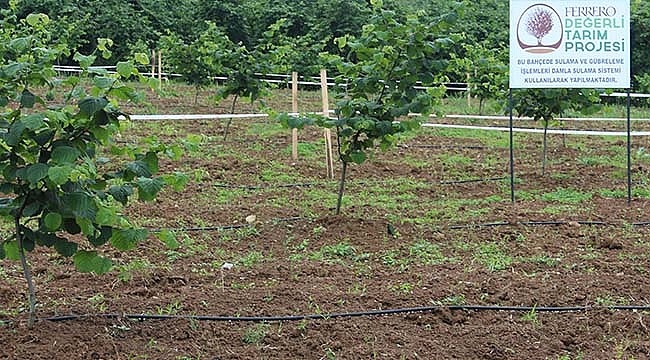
(427, 226)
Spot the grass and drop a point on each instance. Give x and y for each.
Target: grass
(426, 253)
(566, 196)
(334, 253)
(493, 257)
(251, 259)
(255, 334)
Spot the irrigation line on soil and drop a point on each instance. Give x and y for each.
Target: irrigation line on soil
(225, 227)
(262, 187)
(445, 147)
(450, 227)
(424, 309)
(451, 182)
(530, 223)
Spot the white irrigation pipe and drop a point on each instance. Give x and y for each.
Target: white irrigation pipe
(618, 94)
(539, 131)
(492, 117)
(431, 125)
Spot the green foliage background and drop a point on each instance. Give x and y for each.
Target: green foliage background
(138, 25)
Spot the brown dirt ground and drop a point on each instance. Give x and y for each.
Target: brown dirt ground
(300, 259)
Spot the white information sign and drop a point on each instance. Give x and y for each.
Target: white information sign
(570, 44)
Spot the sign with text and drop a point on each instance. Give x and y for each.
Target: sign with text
(570, 44)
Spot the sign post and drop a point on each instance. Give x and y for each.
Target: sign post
(569, 44)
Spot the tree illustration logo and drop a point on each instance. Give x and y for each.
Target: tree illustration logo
(540, 29)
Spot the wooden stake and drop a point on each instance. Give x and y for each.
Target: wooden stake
(294, 109)
(153, 63)
(469, 93)
(329, 157)
(160, 66)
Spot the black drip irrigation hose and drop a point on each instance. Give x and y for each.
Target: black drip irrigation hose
(547, 223)
(445, 147)
(453, 182)
(450, 227)
(225, 227)
(425, 309)
(529, 223)
(262, 187)
(271, 186)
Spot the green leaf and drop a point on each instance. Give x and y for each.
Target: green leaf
(121, 193)
(148, 188)
(43, 137)
(27, 99)
(151, 159)
(139, 168)
(33, 121)
(29, 240)
(59, 175)
(13, 69)
(126, 69)
(46, 239)
(52, 221)
(358, 157)
(37, 19)
(86, 225)
(103, 82)
(33, 208)
(19, 45)
(15, 133)
(99, 239)
(106, 216)
(64, 247)
(101, 118)
(90, 105)
(89, 261)
(11, 250)
(33, 173)
(84, 60)
(142, 58)
(65, 155)
(168, 238)
(79, 205)
(127, 239)
(71, 226)
(177, 180)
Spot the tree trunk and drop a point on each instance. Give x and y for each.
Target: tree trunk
(341, 187)
(26, 273)
(232, 111)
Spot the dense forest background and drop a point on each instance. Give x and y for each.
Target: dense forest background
(308, 25)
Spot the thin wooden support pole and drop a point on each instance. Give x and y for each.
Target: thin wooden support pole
(294, 109)
(153, 63)
(160, 66)
(329, 157)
